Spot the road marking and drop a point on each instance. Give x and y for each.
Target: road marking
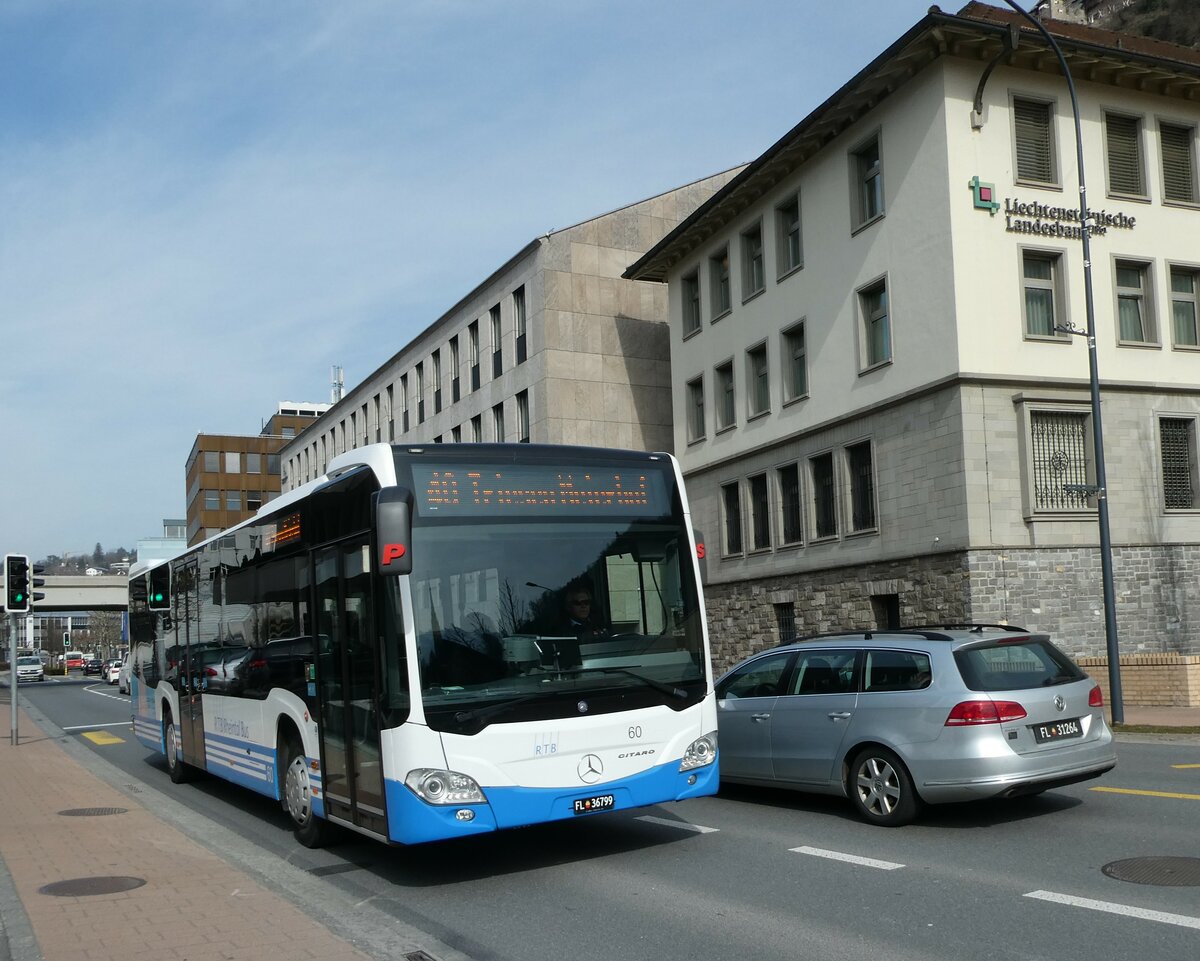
(90, 727)
(1107, 906)
(1129, 790)
(684, 825)
(103, 737)
(850, 858)
(1183, 767)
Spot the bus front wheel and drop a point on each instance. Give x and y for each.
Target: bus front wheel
(175, 766)
(309, 829)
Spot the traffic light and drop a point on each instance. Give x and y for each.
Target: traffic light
(159, 592)
(35, 581)
(16, 583)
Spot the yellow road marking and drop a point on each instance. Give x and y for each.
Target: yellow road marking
(1182, 767)
(103, 737)
(1129, 790)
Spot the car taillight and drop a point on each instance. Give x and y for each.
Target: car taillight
(1096, 697)
(984, 712)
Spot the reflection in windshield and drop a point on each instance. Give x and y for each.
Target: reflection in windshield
(495, 630)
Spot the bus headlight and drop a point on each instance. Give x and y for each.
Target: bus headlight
(700, 753)
(443, 787)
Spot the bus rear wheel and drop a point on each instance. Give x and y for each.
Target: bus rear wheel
(175, 766)
(310, 830)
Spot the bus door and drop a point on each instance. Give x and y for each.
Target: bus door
(191, 680)
(347, 654)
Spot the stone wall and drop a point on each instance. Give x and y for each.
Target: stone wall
(1151, 680)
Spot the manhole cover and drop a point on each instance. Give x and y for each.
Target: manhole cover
(87, 887)
(1166, 872)
(91, 812)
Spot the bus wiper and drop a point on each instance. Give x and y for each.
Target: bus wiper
(482, 713)
(667, 689)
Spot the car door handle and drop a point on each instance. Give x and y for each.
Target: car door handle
(759, 717)
(839, 715)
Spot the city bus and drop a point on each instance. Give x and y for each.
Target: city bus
(384, 648)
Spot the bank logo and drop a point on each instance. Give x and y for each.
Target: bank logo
(985, 195)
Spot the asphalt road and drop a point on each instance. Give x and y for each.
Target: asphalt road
(748, 874)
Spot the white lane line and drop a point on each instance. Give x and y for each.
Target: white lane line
(92, 727)
(1144, 913)
(683, 825)
(849, 858)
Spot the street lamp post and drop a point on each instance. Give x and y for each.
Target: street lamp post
(1101, 488)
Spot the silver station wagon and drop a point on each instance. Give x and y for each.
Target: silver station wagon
(897, 719)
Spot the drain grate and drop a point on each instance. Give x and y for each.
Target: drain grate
(1165, 872)
(418, 955)
(88, 887)
(91, 812)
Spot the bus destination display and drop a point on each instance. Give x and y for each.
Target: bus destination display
(537, 491)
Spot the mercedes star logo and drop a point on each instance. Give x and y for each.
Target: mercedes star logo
(1059, 703)
(590, 768)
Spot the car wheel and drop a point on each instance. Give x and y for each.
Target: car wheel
(310, 830)
(175, 766)
(881, 789)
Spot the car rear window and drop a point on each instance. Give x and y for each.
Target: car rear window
(1015, 664)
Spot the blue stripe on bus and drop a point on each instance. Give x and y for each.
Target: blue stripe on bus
(412, 821)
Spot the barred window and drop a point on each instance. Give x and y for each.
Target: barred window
(860, 467)
(1060, 460)
(823, 495)
(760, 517)
(1178, 462)
(785, 620)
(731, 502)
(789, 503)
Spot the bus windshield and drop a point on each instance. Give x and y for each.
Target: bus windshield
(498, 639)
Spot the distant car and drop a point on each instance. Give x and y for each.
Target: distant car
(123, 676)
(29, 668)
(112, 670)
(93, 666)
(897, 719)
(74, 660)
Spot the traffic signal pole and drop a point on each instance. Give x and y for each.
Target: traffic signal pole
(12, 680)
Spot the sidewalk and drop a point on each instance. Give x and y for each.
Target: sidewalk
(194, 905)
(1160, 716)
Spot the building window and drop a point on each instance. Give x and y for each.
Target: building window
(785, 621)
(419, 386)
(1033, 130)
(753, 276)
(867, 170)
(823, 495)
(691, 303)
(724, 398)
(789, 253)
(477, 429)
(1041, 279)
(233, 500)
(1184, 313)
(519, 323)
(758, 380)
(1178, 163)
(876, 325)
(1123, 143)
(718, 271)
(436, 361)
(695, 409)
(795, 364)
(790, 528)
(391, 412)
(732, 509)
(253, 500)
(1061, 467)
(456, 433)
(455, 392)
(498, 423)
(233, 462)
(860, 467)
(404, 403)
(473, 352)
(497, 356)
(523, 417)
(273, 464)
(287, 432)
(212, 500)
(760, 513)
(253, 463)
(1177, 440)
(1135, 307)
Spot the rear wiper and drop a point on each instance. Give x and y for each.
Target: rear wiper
(659, 686)
(1059, 679)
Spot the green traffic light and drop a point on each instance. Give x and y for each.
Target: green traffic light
(156, 598)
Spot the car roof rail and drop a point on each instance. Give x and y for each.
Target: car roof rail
(973, 626)
(867, 633)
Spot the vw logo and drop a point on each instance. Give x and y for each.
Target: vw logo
(590, 768)
(1059, 703)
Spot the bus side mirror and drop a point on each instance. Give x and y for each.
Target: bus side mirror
(393, 530)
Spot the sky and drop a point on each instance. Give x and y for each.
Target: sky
(205, 204)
